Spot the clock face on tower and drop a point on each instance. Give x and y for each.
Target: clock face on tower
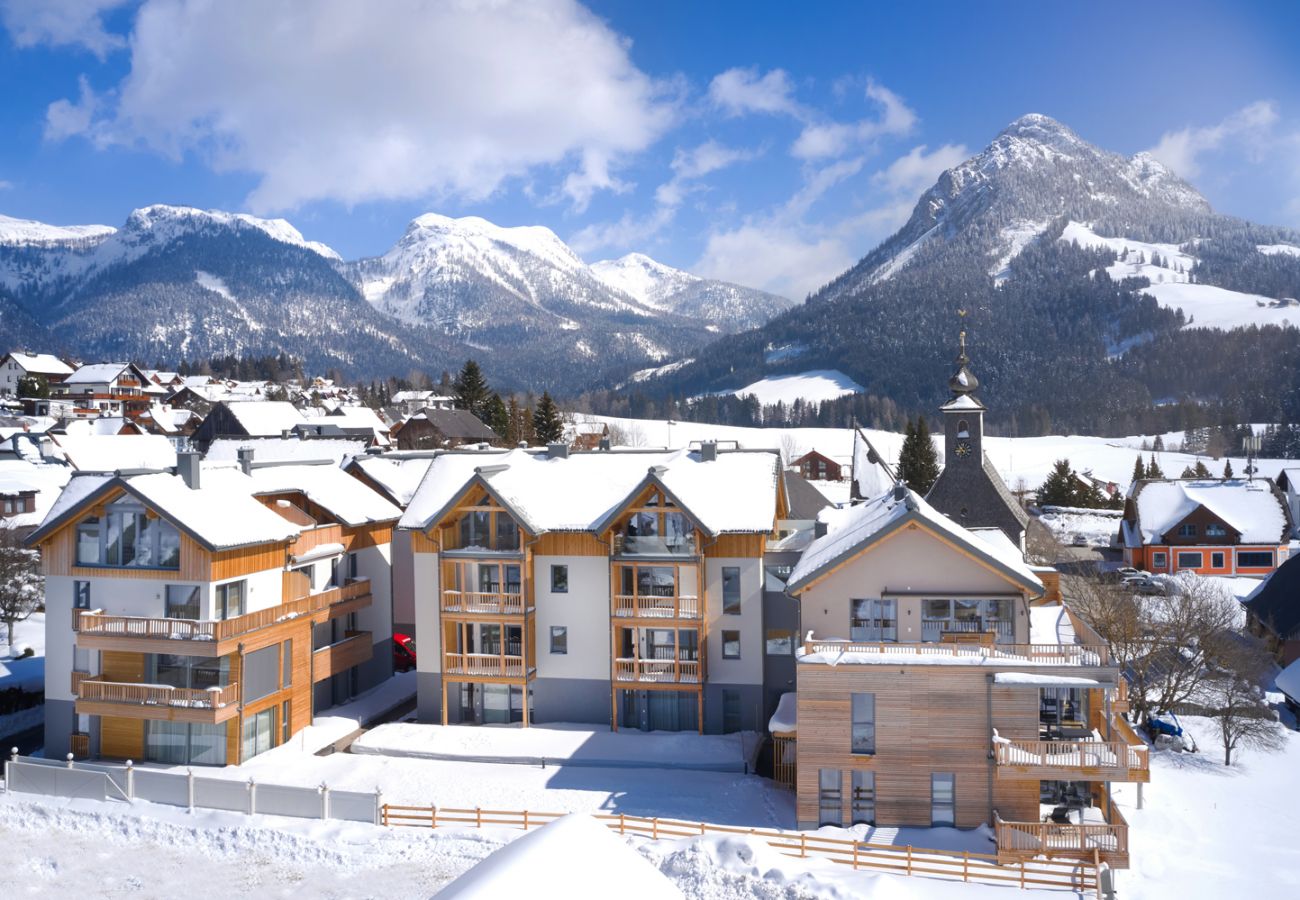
(962, 449)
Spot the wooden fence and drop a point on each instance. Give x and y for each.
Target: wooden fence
(982, 868)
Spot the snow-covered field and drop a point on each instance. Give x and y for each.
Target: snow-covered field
(25, 672)
(812, 386)
(1082, 527)
(1028, 458)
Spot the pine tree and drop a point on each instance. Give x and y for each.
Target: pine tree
(1159, 443)
(1227, 469)
(495, 416)
(918, 463)
(547, 424)
(470, 389)
(1139, 470)
(1059, 489)
(514, 422)
(1188, 472)
(1153, 468)
(1201, 471)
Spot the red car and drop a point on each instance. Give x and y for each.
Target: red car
(403, 652)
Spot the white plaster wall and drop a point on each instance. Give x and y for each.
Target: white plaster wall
(749, 668)
(584, 610)
(403, 578)
(428, 634)
(375, 563)
(264, 589)
(909, 562)
(59, 637)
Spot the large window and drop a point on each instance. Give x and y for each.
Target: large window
(731, 590)
(648, 581)
(194, 672)
(182, 601)
(963, 616)
(261, 676)
(873, 621)
(1214, 529)
(181, 743)
(1190, 560)
(259, 733)
(863, 808)
(127, 537)
(780, 642)
(488, 530)
(229, 600)
(943, 799)
(657, 529)
(1254, 559)
(864, 723)
(830, 809)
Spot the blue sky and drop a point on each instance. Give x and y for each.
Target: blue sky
(768, 143)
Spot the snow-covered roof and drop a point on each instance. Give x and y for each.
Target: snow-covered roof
(113, 452)
(786, 717)
(329, 487)
(575, 854)
(97, 425)
(96, 373)
(265, 418)
(964, 401)
(1028, 679)
(292, 449)
(41, 363)
(1288, 681)
(736, 492)
(871, 475)
(221, 514)
(19, 476)
(399, 478)
(851, 531)
(1251, 508)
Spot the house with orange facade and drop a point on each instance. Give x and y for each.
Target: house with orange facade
(202, 615)
(1205, 525)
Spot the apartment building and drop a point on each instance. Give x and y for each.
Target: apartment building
(202, 615)
(611, 587)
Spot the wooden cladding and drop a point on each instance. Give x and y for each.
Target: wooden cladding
(121, 738)
(335, 659)
(736, 545)
(570, 543)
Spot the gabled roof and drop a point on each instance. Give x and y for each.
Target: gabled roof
(97, 373)
(735, 493)
(41, 363)
(456, 424)
(1253, 509)
(1276, 602)
(855, 530)
(805, 501)
(330, 488)
(398, 478)
(265, 418)
(221, 515)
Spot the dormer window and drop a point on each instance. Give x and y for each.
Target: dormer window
(1214, 529)
(1187, 529)
(128, 537)
(963, 429)
(488, 529)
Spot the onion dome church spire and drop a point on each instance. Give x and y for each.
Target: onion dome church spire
(963, 380)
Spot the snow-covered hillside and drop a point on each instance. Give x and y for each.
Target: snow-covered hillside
(21, 232)
(812, 387)
(643, 279)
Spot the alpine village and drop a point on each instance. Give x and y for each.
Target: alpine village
(956, 557)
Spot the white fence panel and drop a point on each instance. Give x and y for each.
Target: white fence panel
(58, 781)
(161, 787)
(354, 806)
(220, 793)
(282, 800)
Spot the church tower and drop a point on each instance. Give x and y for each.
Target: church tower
(969, 490)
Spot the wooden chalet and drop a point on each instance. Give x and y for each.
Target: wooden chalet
(817, 466)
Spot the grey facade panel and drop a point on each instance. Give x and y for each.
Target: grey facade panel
(60, 722)
(582, 700)
(428, 693)
(377, 669)
(751, 707)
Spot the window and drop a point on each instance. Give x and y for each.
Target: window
(1190, 560)
(474, 529)
(864, 723)
(731, 590)
(1214, 529)
(182, 743)
(943, 803)
(88, 542)
(730, 711)
(1217, 560)
(352, 567)
(780, 642)
(1187, 529)
(559, 579)
(1254, 559)
(182, 602)
(261, 673)
(829, 800)
(285, 721)
(559, 640)
(863, 798)
(192, 672)
(81, 595)
(1159, 560)
(731, 645)
(286, 664)
(128, 537)
(507, 533)
(230, 600)
(873, 620)
(258, 730)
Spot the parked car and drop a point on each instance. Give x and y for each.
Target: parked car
(403, 652)
(1151, 585)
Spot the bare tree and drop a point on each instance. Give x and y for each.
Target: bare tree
(1237, 701)
(631, 436)
(789, 448)
(1041, 544)
(22, 587)
(1168, 646)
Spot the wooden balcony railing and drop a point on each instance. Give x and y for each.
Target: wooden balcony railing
(494, 604)
(681, 606)
(96, 624)
(356, 648)
(1067, 760)
(1040, 654)
(658, 671)
(489, 665)
(159, 694)
(79, 744)
(77, 679)
(1029, 839)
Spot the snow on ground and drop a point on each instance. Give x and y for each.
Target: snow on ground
(1082, 527)
(562, 744)
(1274, 249)
(1030, 458)
(29, 672)
(812, 386)
(838, 492)
(1015, 238)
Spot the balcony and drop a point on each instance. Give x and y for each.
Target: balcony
(159, 701)
(485, 665)
(973, 630)
(356, 648)
(680, 606)
(1084, 760)
(205, 637)
(981, 653)
(483, 603)
(657, 671)
(1094, 836)
(680, 547)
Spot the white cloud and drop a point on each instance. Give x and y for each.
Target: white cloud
(62, 23)
(917, 170)
(66, 118)
(740, 91)
(822, 140)
(1179, 150)
(6, 185)
(356, 102)
(783, 258)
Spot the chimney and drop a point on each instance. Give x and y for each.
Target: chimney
(557, 451)
(819, 529)
(708, 451)
(245, 455)
(604, 443)
(286, 433)
(188, 467)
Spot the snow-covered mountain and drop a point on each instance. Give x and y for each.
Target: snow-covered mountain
(1095, 287)
(729, 307)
